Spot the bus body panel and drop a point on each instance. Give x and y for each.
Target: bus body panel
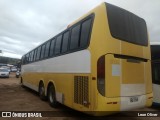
(58, 70)
(63, 64)
(118, 83)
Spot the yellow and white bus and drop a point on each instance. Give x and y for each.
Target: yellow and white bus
(101, 62)
(155, 53)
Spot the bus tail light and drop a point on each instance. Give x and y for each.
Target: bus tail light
(101, 75)
(150, 97)
(112, 102)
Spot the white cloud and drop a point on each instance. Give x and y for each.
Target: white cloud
(12, 55)
(10, 40)
(27, 23)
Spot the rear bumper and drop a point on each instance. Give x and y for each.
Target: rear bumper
(108, 106)
(143, 101)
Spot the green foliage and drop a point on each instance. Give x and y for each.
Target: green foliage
(7, 60)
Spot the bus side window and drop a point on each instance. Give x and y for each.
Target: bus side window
(32, 54)
(27, 59)
(58, 44)
(51, 51)
(65, 42)
(74, 43)
(35, 54)
(47, 49)
(38, 53)
(85, 33)
(42, 51)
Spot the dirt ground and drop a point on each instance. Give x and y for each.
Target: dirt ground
(13, 97)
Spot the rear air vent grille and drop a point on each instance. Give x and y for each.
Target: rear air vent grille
(81, 90)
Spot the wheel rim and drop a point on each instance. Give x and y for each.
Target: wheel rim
(41, 90)
(51, 96)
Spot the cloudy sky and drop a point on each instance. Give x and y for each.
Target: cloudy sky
(24, 24)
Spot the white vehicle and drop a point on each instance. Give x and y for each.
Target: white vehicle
(9, 70)
(6, 67)
(14, 69)
(4, 72)
(155, 52)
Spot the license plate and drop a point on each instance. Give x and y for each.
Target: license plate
(133, 99)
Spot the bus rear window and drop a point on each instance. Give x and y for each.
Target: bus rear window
(126, 26)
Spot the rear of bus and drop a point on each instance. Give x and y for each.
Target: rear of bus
(123, 64)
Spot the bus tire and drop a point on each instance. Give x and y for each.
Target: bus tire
(52, 97)
(42, 91)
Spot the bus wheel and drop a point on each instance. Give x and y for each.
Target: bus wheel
(52, 96)
(42, 91)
